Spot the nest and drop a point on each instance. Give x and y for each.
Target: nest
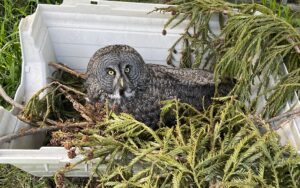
(223, 145)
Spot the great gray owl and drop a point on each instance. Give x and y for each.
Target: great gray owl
(118, 73)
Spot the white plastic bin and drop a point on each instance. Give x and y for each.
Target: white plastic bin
(70, 33)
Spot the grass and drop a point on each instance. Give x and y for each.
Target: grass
(10, 52)
(11, 12)
(14, 177)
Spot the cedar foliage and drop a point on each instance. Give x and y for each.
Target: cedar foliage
(253, 43)
(222, 146)
(225, 145)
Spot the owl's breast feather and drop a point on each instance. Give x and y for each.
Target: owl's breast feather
(121, 97)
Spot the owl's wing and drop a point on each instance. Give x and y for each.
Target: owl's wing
(184, 76)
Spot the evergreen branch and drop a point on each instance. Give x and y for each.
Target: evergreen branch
(249, 29)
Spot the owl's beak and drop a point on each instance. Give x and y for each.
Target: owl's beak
(121, 86)
(121, 82)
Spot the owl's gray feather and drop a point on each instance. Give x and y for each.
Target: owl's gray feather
(138, 88)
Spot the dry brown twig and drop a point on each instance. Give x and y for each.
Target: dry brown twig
(296, 47)
(282, 118)
(49, 121)
(7, 98)
(284, 115)
(67, 69)
(68, 88)
(9, 137)
(277, 121)
(77, 106)
(48, 124)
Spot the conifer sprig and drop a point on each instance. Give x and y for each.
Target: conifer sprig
(254, 45)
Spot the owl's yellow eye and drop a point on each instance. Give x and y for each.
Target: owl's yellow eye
(127, 69)
(111, 72)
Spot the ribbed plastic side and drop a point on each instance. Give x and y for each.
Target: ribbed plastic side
(44, 161)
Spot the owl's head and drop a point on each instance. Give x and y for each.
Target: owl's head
(115, 71)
